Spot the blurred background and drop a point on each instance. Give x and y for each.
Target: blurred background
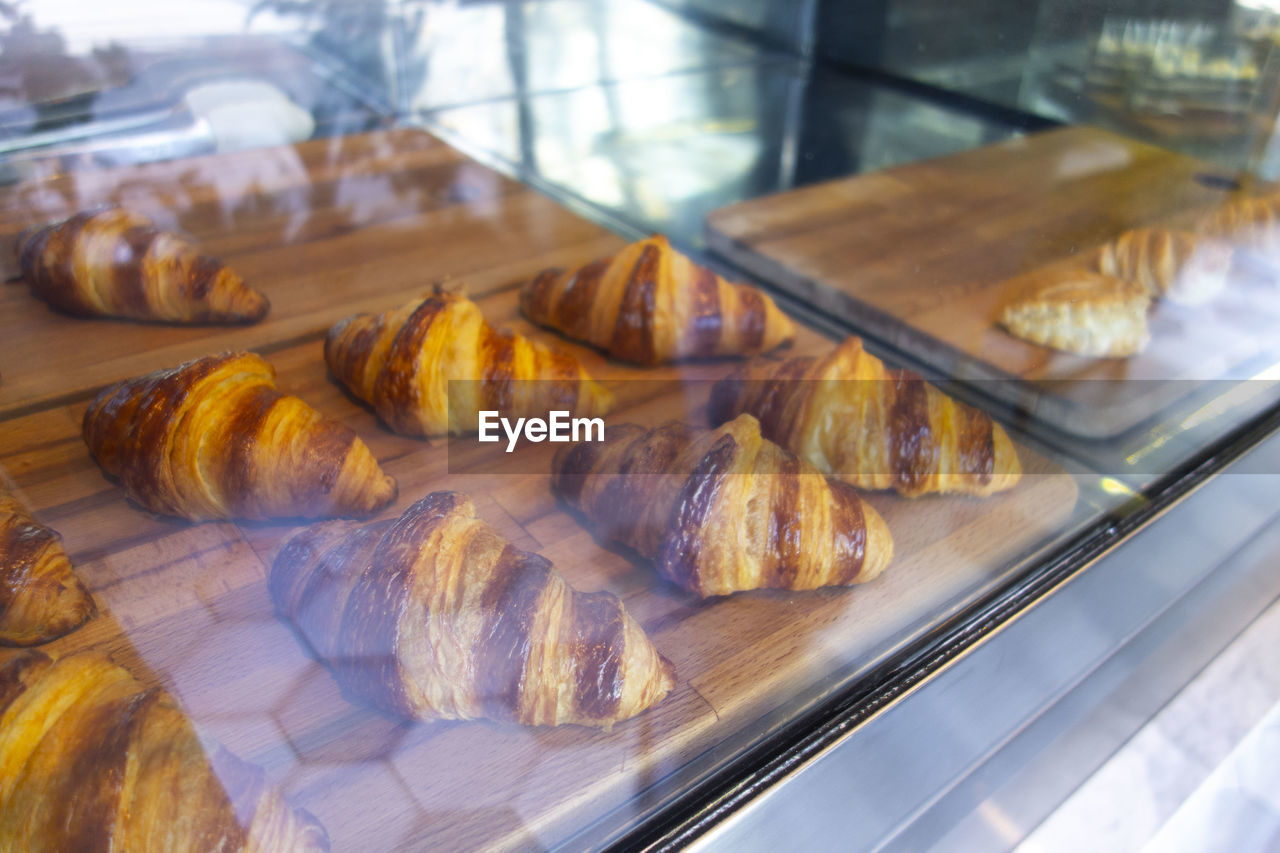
(648, 112)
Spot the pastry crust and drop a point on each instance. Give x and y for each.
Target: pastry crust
(116, 263)
(430, 366)
(1175, 265)
(872, 427)
(1252, 223)
(90, 759)
(650, 304)
(214, 439)
(1079, 311)
(41, 598)
(437, 616)
(722, 511)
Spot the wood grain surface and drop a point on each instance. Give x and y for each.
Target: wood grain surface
(336, 226)
(920, 255)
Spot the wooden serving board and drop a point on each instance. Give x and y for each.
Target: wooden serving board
(324, 229)
(919, 256)
(186, 605)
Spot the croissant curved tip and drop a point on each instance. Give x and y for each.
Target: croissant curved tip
(259, 307)
(24, 238)
(1006, 467)
(387, 492)
(879, 544)
(667, 677)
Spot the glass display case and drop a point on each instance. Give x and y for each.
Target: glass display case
(514, 646)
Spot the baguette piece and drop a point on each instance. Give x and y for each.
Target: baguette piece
(435, 615)
(722, 511)
(872, 427)
(116, 263)
(430, 366)
(1079, 311)
(90, 759)
(41, 598)
(650, 304)
(214, 439)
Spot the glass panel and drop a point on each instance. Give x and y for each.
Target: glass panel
(660, 154)
(471, 52)
(899, 203)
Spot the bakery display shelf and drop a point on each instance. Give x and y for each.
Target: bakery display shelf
(920, 255)
(335, 226)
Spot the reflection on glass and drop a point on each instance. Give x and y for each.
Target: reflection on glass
(662, 153)
(466, 52)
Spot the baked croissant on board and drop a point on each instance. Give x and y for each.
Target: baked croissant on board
(214, 439)
(41, 598)
(872, 427)
(722, 511)
(1078, 311)
(116, 263)
(649, 304)
(1252, 223)
(90, 759)
(436, 616)
(1180, 266)
(430, 366)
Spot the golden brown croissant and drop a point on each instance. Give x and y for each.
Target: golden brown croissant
(1175, 265)
(872, 427)
(90, 759)
(41, 598)
(1249, 222)
(721, 511)
(436, 616)
(214, 439)
(1078, 311)
(407, 363)
(650, 304)
(115, 263)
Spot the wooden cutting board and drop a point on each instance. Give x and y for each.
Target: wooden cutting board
(325, 229)
(920, 255)
(360, 223)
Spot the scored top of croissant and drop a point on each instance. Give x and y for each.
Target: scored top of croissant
(430, 366)
(1176, 265)
(437, 616)
(870, 426)
(41, 598)
(91, 759)
(650, 304)
(1251, 222)
(116, 263)
(725, 510)
(214, 439)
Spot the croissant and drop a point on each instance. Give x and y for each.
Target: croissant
(1078, 311)
(1249, 222)
(214, 439)
(90, 759)
(41, 598)
(721, 511)
(872, 427)
(115, 263)
(406, 363)
(1175, 265)
(436, 616)
(650, 304)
